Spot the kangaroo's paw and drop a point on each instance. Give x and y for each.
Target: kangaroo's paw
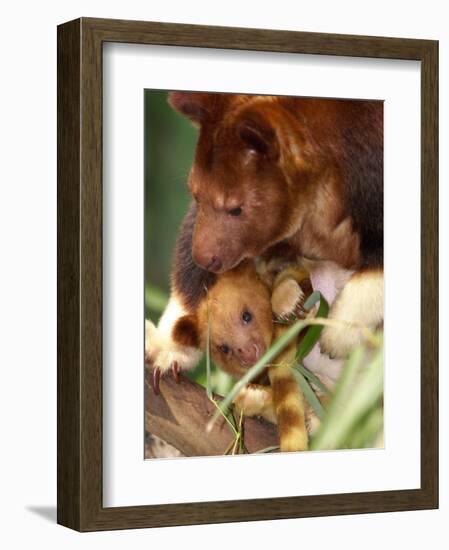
(151, 338)
(359, 306)
(164, 355)
(177, 358)
(286, 298)
(337, 342)
(256, 400)
(163, 351)
(173, 361)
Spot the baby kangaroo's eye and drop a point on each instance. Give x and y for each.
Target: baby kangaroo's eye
(224, 348)
(235, 211)
(246, 317)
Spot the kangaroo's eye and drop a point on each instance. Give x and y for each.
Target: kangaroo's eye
(224, 348)
(246, 317)
(235, 211)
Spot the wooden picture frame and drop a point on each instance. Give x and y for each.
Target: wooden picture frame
(80, 274)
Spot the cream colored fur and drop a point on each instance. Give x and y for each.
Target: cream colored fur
(256, 400)
(160, 349)
(360, 303)
(285, 297)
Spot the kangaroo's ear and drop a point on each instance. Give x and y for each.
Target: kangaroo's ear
(257, 134)
(194, 105)
(186, 331)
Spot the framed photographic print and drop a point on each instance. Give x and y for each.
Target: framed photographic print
(247, 274)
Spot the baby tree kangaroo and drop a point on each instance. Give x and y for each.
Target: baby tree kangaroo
(280, 177)
(238, 311)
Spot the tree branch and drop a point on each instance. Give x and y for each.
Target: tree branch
(180, 413)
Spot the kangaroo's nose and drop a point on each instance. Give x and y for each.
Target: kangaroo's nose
(215, 264)
(249, 354)
(207, 261)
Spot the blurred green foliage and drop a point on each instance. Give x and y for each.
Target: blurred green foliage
(169, 147)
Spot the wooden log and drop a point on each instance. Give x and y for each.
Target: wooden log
(180, 413)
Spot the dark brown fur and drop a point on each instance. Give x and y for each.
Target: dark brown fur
(285, 386)
(185, 331)
(290, 417)
(188, 278)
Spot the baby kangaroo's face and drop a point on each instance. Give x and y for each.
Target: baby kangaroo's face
(240, 317)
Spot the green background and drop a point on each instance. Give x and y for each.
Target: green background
(169, 147)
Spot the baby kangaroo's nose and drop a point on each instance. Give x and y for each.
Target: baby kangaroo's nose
(249, 354)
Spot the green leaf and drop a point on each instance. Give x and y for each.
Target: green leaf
(311, 377)
(309, 394)
(356, 392)
(312, 334)
(312, 299)
(368, 429)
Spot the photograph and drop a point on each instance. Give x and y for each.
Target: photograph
(264, 273)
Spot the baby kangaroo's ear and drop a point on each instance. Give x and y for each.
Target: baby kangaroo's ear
(186, 331)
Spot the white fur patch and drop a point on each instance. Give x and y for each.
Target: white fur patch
(160, 349)
(361, 302)
(173, 311)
